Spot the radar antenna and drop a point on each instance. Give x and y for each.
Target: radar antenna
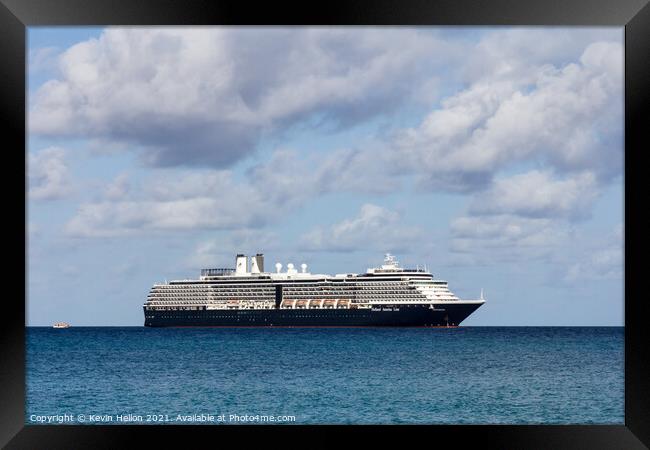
(390, 260)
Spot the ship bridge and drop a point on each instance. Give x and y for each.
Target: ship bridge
(220, 272)
(391, 266)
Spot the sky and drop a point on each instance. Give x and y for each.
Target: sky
(492, 155)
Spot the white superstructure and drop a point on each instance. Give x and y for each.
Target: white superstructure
(250, 287)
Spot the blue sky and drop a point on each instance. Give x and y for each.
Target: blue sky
(493, 155)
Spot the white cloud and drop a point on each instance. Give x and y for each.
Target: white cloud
(253, 241)
(566, 119)
(508, 53)
(373, 229)
(538, 194)
(42, 59)
(118, 188)
(285, 179)
(604, 264)
(569, 117)
(220, 252)
(205, 95)
(209, 254)
(48, 174)
(290, 178)
(559, 109)
(355, 170)
(604, 261)
(505, 237)
(170, 200)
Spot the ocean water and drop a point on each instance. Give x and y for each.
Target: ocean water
(466, 375)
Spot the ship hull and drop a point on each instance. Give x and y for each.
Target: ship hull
(385, 316)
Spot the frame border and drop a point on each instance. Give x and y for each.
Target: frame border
(634, 15)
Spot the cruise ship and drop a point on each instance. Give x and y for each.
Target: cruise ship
(247, 296)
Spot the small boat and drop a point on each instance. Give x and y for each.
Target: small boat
(61, 325)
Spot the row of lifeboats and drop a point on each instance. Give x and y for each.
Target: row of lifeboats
(330, 303)
(303, 304)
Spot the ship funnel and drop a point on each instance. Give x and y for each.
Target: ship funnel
(241, 266)
(278, 267)
(303, 266)
(257, 263)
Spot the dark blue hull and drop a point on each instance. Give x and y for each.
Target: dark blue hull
(395, 316)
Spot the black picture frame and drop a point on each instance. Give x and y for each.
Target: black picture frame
(634, 15)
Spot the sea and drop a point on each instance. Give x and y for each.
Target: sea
(213, 376)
